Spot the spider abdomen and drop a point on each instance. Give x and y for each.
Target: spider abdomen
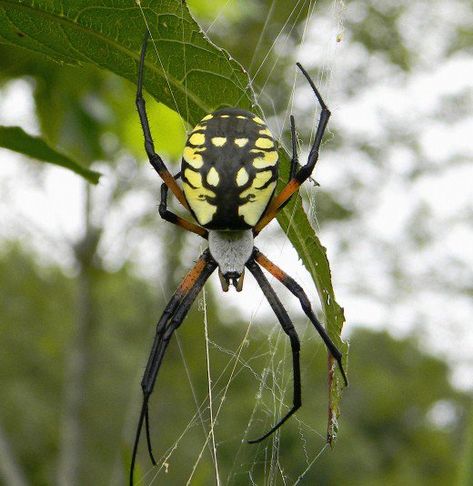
(229, 170)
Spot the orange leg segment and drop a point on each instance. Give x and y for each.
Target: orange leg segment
(298, 292)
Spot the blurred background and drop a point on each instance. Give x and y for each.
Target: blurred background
(85, 271)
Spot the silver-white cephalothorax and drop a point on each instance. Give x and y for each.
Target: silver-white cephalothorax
(231, 250)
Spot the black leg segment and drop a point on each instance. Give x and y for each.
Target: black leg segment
(289, 329)
(170, 320)
(298, 291)
(305, 171)
(173, 218)
(154, 159)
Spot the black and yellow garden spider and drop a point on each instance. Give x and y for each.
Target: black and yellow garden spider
(229, 173)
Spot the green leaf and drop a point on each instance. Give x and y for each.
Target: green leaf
(190, 75)
(294, 222)
(16, 139)
(83, 31)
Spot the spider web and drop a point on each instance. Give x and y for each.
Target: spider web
(269, 366)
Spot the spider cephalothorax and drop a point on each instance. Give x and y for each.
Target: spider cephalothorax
(229, 173)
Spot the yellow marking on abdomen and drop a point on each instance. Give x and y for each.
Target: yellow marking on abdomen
(253, 209)
(194, 178)
(192, 157)
(212, 177)
(197, 139)
(219, 141)
(266, 131)
(197, 197)
(266, 159)
(241, 142)
(258, 120)
(207, 117)
(264, 143)
(242, 177)
(262, 178)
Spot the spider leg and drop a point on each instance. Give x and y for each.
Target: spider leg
(172, 317)
(294, 159)
(298, 291)
(169, 310)
(154, 159)
(175, 219)
(289, 329)
(148, 438)
(306, 170)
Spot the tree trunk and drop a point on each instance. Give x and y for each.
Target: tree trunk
(10, 471)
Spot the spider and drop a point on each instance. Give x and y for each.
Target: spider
(229, 172)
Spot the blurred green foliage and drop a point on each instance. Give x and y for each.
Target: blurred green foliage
(388, 433)
(16, 139)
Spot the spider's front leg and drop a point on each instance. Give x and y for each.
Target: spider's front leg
(154, 159)
(294, 160)
(306, 170)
